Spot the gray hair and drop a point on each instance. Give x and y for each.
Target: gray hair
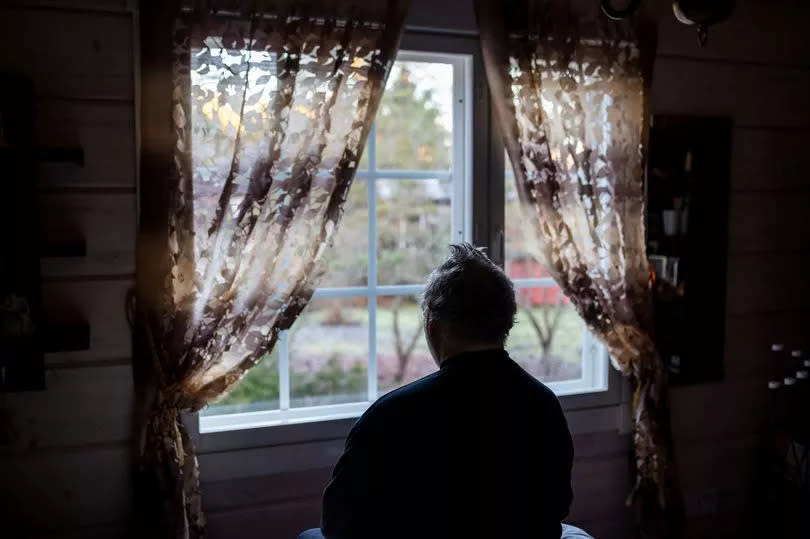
(471, 296)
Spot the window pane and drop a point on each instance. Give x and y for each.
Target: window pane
(346, 261)
(329, 353)
(522, 261)
(257, 390)
(413, 229)
(547, 338)
(402, 352)
(415, 118)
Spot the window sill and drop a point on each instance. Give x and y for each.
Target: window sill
(253, 450)
(267, 451)
(572, 395)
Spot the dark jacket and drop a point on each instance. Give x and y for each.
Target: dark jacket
(478, 449)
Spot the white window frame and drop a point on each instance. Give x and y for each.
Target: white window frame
(601, 407)
(460, 175)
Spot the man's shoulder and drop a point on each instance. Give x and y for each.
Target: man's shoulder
(409, 392)
(400, 399)
(536, 386)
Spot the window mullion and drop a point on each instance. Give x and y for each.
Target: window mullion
(406, 174)
(459, 168)
(372, 264)
(534, 282)
(284, 370)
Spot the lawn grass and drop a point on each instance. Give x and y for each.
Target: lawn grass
(328, 359)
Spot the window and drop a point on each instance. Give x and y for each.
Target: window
(550, 339)
(361, 335)
(414, 193)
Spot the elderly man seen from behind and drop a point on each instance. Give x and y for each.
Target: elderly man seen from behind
(479, 448)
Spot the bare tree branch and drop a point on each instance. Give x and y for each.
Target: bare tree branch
(403, 354)
(546, 326)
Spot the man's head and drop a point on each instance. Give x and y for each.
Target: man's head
(468, 304)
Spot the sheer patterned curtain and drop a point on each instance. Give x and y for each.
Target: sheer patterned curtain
(568, 90)
(270, 109)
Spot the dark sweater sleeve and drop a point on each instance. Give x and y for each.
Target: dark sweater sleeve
(348, 499)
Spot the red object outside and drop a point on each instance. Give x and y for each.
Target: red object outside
(531, 269)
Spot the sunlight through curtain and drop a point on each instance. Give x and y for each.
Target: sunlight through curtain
(568, 90)
(269, 114)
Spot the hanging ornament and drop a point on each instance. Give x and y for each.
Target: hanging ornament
(702, 14)
(618, 14)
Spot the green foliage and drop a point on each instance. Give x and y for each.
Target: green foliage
(413, 230)
(262, 383)
(259, 384)
(331, 379)
(413, 216)
(409, 132)
(346, 261)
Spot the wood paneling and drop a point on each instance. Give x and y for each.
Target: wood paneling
(618, 526)
(600, 444)
(101, 304)
(691, 423)
(71, 489)
(105, 131)
(70, 54)
(269, 460)
(81, 61)
(101, 5)
(711, 470)
(217, 442)
(106, 222)
(757, 32)
(452, 16)
(752, 95)
(232, 505)
(769, 222)
(749, 339)
(770, 159)
(284, 520)
(265, 490)
(767, 282)
(79, 407)
(67, 472)
(601, 486)
(102, 531)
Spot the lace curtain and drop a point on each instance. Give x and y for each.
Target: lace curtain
(269, 114)
(568, 90)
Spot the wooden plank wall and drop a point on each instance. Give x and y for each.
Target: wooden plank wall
(67, 473)
(756, 70)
